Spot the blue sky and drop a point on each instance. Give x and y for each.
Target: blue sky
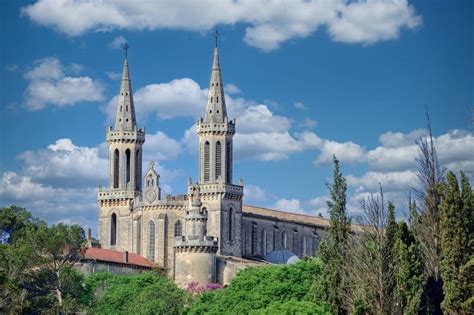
(305, 80)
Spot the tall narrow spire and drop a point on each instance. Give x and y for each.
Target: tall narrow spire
(216, 110)
(125, 117)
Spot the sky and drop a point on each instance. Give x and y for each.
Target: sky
(305, 80)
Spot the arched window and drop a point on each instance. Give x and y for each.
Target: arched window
(305, 252)
(206, 161)
(218, 159)
(254, 238)
(139, 236)
(151, 240)
(178, 229)
(127, 167)
(231, 218)
(284, 240)
(295, 241)
(263, 240)
(138, 171)
(275, 232)
(113, 230)
(228, 156)
(116, 168)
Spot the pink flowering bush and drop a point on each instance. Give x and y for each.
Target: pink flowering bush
(194, 288)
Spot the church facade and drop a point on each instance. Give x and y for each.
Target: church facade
(207, 234)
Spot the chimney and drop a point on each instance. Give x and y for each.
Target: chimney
(125, 256)
(89, 233)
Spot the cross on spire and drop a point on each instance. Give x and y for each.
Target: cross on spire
(126, 47)
(216, 35)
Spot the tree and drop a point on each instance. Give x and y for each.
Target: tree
(372, 267)
(455, 215)
(408, 271)
(274, 289)
(466, 274)
(431, 177)
(144, 293)
(36, 264)
(332, 287)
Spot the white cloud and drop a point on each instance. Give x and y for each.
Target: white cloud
(259, 118)
(289, 205)
(177, 98)
(397, 139)
(348, 152)
(391, 181)
(319, 204)
(160, 147)
(48, 85)
(232, 89)
(371, 21)
(308, 123)
(268, 23)
(65, 160)
(47, 202)
(118, 42)
(255, 194)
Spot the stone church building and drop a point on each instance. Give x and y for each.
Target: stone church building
(207, 234)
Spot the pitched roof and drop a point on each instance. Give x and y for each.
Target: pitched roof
(114, 256)
(291, 217)
(285, 216)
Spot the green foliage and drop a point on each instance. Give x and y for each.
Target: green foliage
(388, 258)
(408, 270)
(265, 290)
(453, 243)
(331, 286)
(36, 264)
(145, 293)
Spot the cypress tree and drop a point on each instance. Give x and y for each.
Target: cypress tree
(466, 273)
(408, 271)
(332, 251)
(388, 258)
(453, 235)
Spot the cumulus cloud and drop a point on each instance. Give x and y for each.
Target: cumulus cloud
(349, 152)
(160, 147)
(177, 98)
(255, 194)
(268, 23)
(49, 85)
(64, 160)
(300, 105)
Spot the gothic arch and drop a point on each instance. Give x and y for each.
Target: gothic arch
(206, 161)
(218, 159)
(284, 240)
(113, 229)
(127, 167)
(116, 168)
(151, 240)
(231, 224)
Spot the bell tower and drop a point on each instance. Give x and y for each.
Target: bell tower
(124, 142)
(220, 197)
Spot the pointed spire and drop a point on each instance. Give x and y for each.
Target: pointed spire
(216, 109)
(125, 117)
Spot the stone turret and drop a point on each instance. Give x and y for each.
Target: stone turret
(195, 251)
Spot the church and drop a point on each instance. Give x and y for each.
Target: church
(207, 234)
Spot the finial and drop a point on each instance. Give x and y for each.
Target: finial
(126, 47)
(216, 35)
(151, 165)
